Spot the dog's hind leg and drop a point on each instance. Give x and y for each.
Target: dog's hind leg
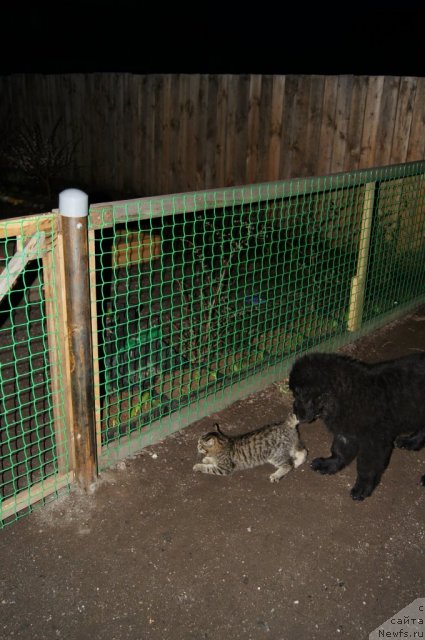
(413, 442)
(343, 450)
(371, 464)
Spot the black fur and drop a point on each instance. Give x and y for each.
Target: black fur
(365, 406)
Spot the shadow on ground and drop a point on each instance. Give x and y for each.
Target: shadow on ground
(159, 552)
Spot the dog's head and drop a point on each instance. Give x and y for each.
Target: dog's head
(308, 386)
(307, 404)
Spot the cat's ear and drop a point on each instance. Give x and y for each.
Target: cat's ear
(210, 443)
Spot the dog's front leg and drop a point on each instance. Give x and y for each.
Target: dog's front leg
(343, 451)
(372, 461)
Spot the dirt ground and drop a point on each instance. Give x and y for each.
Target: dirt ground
(159, 552)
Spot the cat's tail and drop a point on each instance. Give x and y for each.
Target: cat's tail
(217, 428)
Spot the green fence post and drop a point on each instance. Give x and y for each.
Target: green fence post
(73, 209)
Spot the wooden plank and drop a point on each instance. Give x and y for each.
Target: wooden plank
(149, 154)
(385, 131)
(287, 119)
(135, 183)
(180, 150)
(127, 128)
(33, 494)
(343, 102)
(328, 128)
(32, 249)
(298, 127)
(314, 121)
(155, 142)
(175, 124)
(99, 152)
(253, 128)
(371, 121)
(73, 131)
(90, 119)
(220, 148)
(355, 124)
(210, 166)
(61, 379)
(166, 123)
(416, 147)
(403, 119)
(56, 318)
(193, 130)
(27, 226)
(241, 129)
(201, 133)
(263, 135)
(358, 283)
(231, 145)
(275, 133)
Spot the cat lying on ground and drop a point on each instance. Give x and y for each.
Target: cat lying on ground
(277, 443)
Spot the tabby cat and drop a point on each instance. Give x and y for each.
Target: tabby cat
(277, 443)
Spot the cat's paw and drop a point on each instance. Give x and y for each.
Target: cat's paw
(280, 472)
(198, 467)
(274, 477)
(299, 457)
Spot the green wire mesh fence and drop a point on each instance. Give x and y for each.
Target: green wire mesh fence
(34, 459)
(202, 296)
(197, 299)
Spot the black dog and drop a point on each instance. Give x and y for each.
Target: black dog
(365, 407)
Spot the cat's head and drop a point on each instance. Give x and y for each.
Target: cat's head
(212, 442)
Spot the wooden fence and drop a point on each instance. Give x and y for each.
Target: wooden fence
(153, 134)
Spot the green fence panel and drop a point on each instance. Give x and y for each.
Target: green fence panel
(199, 294)
(34, 460)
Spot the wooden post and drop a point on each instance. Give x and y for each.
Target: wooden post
(358, 282)
(73, 208)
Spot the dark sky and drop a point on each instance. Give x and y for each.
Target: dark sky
(375, 37)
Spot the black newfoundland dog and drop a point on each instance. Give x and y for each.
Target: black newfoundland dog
(365, 406)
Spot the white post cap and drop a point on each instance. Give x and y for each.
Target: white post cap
(73, 203)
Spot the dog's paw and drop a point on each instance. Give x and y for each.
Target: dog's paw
(411, 443)
(361, 490)
(326, 466)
